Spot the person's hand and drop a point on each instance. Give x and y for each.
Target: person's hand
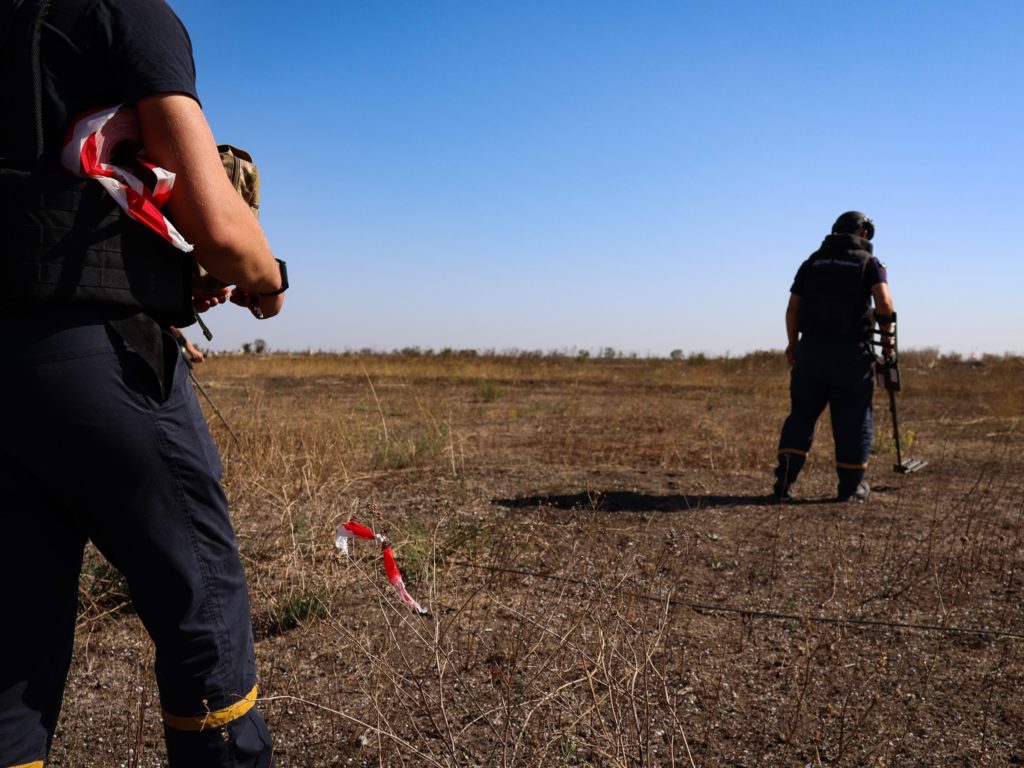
(194, 353)
(203, 300)
(791, 355)
(261, 306)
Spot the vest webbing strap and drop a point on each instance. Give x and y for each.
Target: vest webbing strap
(37, 78)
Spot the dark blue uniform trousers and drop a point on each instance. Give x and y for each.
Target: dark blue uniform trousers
(839, 375)
(91, 450)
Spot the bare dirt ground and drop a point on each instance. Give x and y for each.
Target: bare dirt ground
(609, 584)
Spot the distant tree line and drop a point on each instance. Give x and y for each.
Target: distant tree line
(927, 356)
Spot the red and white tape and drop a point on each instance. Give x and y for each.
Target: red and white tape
(140, 188)
(354, 530)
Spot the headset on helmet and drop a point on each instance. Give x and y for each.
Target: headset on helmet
(852, 222)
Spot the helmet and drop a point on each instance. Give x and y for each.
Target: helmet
(852, 222)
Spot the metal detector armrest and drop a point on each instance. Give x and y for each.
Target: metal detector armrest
(887, 374)
(883, 343)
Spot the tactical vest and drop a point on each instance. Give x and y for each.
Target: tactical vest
(63, 240)
(833, 304)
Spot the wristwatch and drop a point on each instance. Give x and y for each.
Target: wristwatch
(284, 280)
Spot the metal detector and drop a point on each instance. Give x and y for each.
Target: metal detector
(887, 373)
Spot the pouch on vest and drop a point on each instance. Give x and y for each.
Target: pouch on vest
(245, 178)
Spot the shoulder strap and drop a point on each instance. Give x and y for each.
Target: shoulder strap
(21, 24)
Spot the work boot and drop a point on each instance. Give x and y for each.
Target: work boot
(859, 494)
(781, 491)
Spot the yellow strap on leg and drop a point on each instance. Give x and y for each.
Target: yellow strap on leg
(213, 719)
(844, 465)
(795, 451)
(36, 764)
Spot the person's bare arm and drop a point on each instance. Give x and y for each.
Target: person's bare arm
(203, 205)
(792, 331)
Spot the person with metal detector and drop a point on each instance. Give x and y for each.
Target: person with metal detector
(829, 322)
(104, 440)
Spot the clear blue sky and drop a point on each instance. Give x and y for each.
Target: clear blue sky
(638, 175)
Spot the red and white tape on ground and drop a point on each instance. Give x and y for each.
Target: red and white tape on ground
(354, 530)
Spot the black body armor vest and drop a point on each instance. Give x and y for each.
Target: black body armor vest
(834, 304)
(63, 240)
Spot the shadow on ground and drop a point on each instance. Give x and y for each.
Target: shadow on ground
(630, 501)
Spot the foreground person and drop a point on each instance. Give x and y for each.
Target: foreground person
(104, 439)
(828, 324)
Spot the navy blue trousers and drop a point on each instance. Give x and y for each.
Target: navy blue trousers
(840, 376)
(92, 451)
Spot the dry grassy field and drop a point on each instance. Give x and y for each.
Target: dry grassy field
(608, 583)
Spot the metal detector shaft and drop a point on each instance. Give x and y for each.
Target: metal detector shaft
(895, 429)
(192, 375)
(213, 405)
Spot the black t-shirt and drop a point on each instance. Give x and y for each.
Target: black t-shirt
(99, 53)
